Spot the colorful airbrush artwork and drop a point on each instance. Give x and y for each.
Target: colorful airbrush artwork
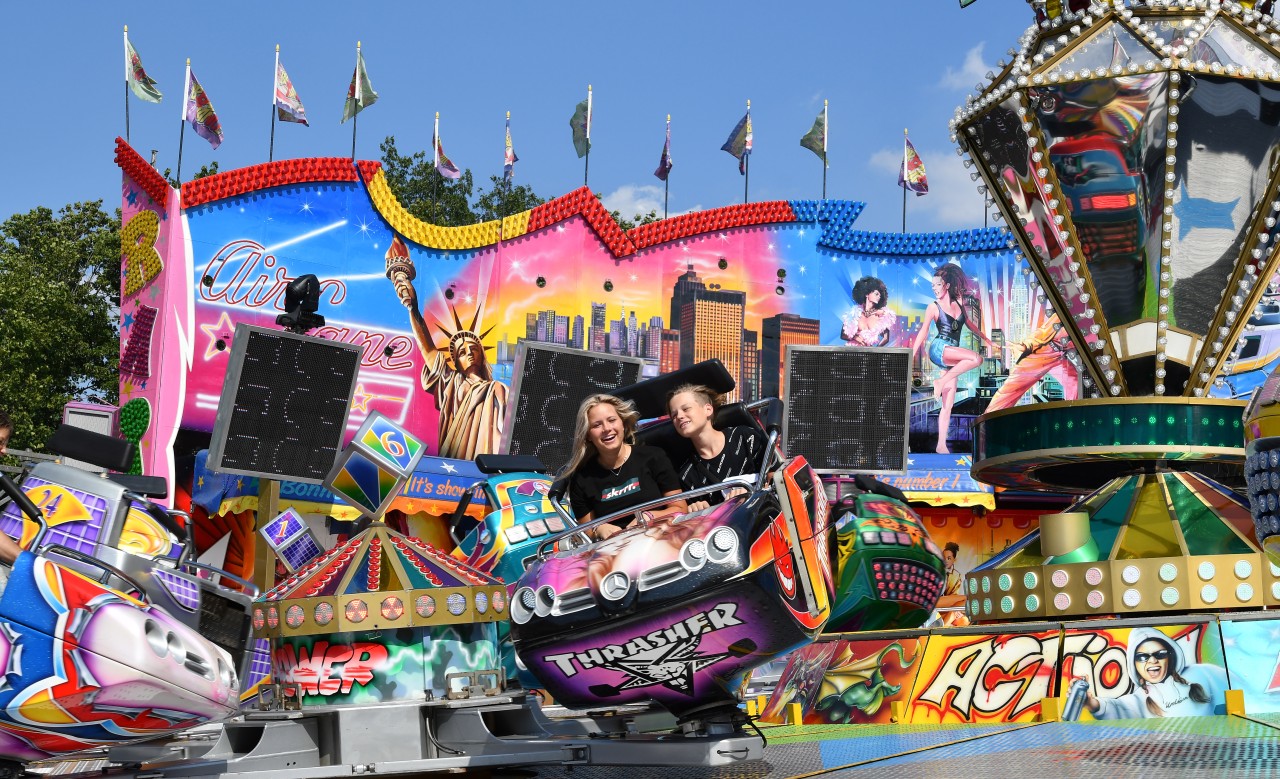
(398, 665)
(736, 283)
(157, 320)
(846, 681)
(72, 684)
(382, 617)
(1140, 672)
(677, 611)
(1121, 669)
(1249, 644)
(889, 574)
(520, 519)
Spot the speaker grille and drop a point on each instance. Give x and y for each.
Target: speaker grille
(847, 409)
(549, 385)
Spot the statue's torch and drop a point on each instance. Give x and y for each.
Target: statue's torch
(400, 269)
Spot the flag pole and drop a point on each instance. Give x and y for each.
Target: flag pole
(904, 180)
(435, 166)
(506, 191)
(586, 166)
(271, 151)
(126, 83)
(824, 149)
(182, 122)
(746, 164)
(666, 182)
(355, 118)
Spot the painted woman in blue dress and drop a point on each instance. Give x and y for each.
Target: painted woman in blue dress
(947, 314)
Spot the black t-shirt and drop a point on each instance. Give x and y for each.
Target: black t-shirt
(743, 453)
(647, 474)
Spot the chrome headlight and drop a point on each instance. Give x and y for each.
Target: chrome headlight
(693, 555)
(723, 544)
(523, 605)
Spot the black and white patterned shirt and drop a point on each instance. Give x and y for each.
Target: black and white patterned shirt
(743, 452)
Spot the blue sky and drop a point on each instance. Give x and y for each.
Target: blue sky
(883, 64)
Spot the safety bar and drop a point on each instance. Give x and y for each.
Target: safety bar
(15, 493)
(249, 586)
(460, 511)
(77, 555)
(160, 515)
(583, 529)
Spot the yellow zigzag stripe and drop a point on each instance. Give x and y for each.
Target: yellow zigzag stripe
(437, 237)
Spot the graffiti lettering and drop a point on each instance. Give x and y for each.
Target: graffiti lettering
(716, 618)
(329, 669)
(1001, 677)
(1004, 675)
(244, 274)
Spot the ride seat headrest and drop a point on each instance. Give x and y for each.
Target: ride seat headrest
(664, 436)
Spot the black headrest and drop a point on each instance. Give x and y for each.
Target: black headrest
(664, 436)
(146, 486)
(509, 463)
(650, 395)
(104, 451)
(868, 484)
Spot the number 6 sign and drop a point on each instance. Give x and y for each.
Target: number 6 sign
(386, 442)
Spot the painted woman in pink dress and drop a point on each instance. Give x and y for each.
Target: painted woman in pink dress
(871, 323)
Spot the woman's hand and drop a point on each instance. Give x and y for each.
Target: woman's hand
(1090, 701)
(606, 531)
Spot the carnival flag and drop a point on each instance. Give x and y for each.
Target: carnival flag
(665, 163)
(444, 165)
(580, 122)
(739, 143)
(142, 85)
(360, 94)
(816, 139)
(200, 113)
(288, 105)
(509, 158)
(912, 176)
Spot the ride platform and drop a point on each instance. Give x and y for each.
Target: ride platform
(1169, 748)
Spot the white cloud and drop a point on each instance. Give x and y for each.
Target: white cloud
(953, 201)
(632, 199)
(970, 73)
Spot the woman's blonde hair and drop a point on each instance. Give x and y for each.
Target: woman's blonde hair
(700, 391)
(582, 449)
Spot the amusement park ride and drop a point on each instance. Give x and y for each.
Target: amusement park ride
(1101, 142)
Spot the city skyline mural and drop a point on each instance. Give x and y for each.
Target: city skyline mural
(739, 284)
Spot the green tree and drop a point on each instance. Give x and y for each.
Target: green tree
(423, 191)
(59, 307)
(205, 170)
(499, 200)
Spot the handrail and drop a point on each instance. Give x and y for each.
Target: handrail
(76, 554)
(248, 585)
(187, 546)
(460, 510)
(771, 423)
(582, 529)
(160, 515)
(24, 504)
